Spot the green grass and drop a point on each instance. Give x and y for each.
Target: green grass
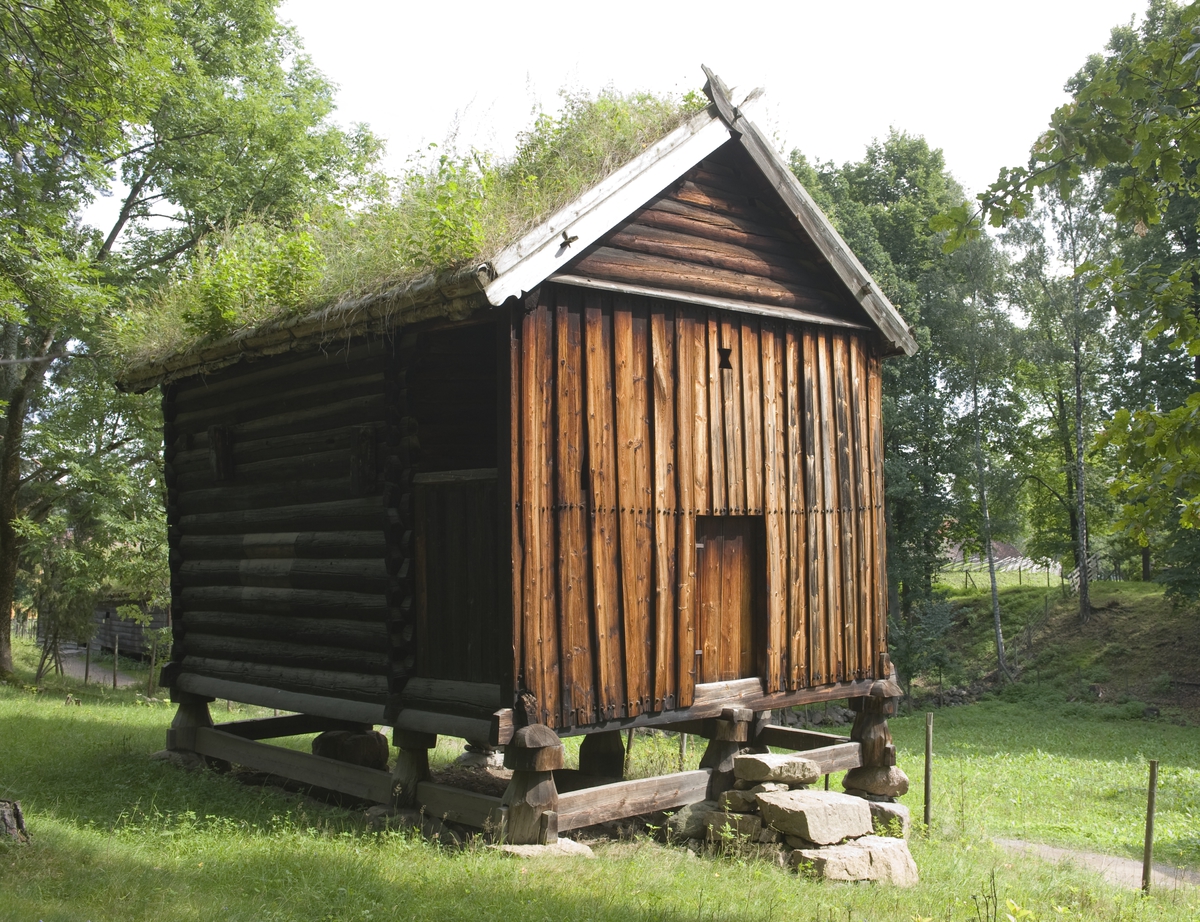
(119, 837)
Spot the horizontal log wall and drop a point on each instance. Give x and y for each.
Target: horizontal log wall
(720, 232)
(630, 417)
(279, 561)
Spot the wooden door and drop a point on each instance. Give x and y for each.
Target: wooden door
(729, 568)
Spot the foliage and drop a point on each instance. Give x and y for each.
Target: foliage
(198, 115)
(449, 209)
(917, 645)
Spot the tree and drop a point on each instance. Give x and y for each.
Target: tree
(1133, 113)
(206, 113)
(989, 412)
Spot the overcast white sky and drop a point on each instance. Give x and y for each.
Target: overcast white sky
(978, 79)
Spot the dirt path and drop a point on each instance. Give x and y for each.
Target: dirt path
(72, 663)
(1125, 872)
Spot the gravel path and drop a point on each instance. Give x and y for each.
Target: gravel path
(1125, 872)
(72, 663)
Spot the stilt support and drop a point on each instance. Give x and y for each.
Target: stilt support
(412, 764)
(534, 754)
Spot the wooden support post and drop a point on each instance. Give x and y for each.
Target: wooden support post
(87, 661)
(116, 653)
(1148, 851)
(603, 755)
(732, 732)
(412, 764)
(878, 774)
(534, 754)
(192, 713)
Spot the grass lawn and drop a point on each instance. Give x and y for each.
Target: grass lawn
(118, 837)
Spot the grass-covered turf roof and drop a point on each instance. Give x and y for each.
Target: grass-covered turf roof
(451, 211)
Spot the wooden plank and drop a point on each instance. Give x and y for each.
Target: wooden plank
(744, 693)
(353, 574)
(831, 551)
(797, 740)
(701, 437)
(609, 802)
(472, 729)
(731, 417)
(815, 519)
(862, 501)
(797, 516)
(318, 603)
(458, 805)
(635, 493)
(319, 632)
(356, 685)
(511, 553)
(467, 699)
(468, 476)
(708, 600)
(541, 622)
(732, 599)
(602, 480)
(578, 705)
(688, 438)
(704, 300)
(846, 511)
(752, 413)
(839, 758)
(621, 265)
(718, 491)
(266, 728)
(355, 780)
(285, 653)
(312, 544)
(666, 462)
(775, 464)
(875, 398)
(367, 712)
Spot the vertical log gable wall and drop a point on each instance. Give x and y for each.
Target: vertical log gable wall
(632, 416)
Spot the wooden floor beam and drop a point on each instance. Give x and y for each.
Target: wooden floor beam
(368, 783)
(610, 802)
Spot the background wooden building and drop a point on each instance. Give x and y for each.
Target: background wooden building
(630, 472)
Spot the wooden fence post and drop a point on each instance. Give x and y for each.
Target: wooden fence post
(1148, 852)
(116, 653)
(928, 766)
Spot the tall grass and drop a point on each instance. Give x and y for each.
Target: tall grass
(119, 837)
(449, 209)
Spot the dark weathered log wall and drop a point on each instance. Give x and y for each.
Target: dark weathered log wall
(631, 417)
(281, 573)
(458, 629)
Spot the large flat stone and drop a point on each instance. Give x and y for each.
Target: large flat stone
(560, 849)
(788, 769)
(876, 858)
(690, 822)
(742, 825)
(886, 780)
(889, 817)
(821, 817)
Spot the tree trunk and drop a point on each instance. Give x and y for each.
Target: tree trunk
(1085, 600)
(986, 527)
(10, 484)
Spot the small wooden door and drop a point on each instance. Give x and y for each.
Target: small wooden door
(728, 565)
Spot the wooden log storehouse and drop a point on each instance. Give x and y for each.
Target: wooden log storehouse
(628, 473)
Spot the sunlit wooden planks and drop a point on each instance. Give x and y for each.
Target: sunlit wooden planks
(651, 415)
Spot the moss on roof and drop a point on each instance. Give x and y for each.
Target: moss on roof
(450, 210)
